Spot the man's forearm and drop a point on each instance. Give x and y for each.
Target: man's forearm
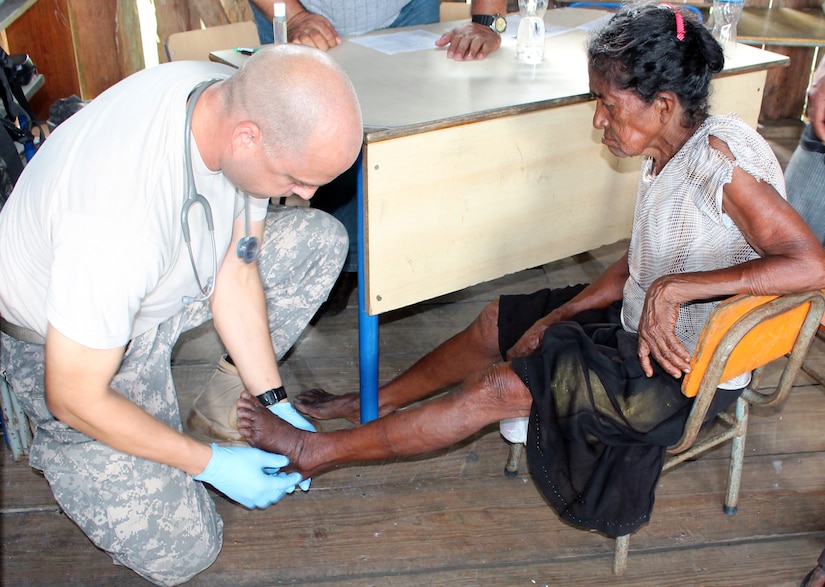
(489, 7)
(117, 422)
(239, 311)
(78, 393)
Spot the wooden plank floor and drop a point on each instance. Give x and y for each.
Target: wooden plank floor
(452, 518)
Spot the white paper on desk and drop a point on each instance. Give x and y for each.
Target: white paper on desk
(400, 42)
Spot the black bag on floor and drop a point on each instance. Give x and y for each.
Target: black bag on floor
(15, 72)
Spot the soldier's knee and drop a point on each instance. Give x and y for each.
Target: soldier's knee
(174, 559)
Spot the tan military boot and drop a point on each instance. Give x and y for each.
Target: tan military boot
(215, 413)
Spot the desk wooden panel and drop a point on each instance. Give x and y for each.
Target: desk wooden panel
(469, 203)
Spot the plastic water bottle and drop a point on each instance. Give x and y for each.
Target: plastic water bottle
(530, 38)
(279, 22)
(726, 15)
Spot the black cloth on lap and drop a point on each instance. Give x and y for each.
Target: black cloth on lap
(599, 428)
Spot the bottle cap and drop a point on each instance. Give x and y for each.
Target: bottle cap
(279, 9)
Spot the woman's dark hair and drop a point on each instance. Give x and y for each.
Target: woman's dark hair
(639, 50)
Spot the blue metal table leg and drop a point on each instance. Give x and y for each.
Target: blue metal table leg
(367, 325)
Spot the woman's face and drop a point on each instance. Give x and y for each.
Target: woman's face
(630, 125)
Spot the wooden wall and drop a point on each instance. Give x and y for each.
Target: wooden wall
(785, 88)
(174, 16)
(81, 46)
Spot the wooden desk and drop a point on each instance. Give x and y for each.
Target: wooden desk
(801, 27)
(478, 169)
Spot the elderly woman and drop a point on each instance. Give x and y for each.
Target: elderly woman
(598, 367)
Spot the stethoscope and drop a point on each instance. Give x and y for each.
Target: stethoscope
(247, 247)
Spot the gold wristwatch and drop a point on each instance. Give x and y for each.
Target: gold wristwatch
(495, 21)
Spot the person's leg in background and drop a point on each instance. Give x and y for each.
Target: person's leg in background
(805, 180)
(338, 198)
(265, 31)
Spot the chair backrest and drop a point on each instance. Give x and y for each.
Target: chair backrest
(197, 44)
(745, 332)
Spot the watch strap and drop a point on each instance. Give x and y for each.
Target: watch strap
(484, 19)
(272, 397)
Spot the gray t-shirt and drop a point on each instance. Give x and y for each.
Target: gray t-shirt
(357, 18)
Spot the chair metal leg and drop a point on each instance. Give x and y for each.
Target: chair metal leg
(620, 555)
(814, 374)
(817, 376)
(737, 455)
(511, 468)
(15, 422)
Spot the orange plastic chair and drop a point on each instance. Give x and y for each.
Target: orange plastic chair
(744, 333)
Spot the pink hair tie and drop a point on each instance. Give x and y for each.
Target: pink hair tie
(680, 25)
(680, 22)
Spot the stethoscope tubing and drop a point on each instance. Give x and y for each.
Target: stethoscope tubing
(247, 246)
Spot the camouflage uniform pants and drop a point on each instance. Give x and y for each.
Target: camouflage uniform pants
(150, 517)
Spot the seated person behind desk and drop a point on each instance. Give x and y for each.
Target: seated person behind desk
(805, 177)
(805, 174)
(321, 24)
(598, 368)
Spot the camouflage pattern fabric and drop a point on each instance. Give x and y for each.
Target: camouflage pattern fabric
(150, 517)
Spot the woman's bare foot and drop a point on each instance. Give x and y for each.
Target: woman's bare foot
(266, 431)
(318, 404)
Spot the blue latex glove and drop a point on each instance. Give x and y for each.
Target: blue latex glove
(248, 475)
(286, 412)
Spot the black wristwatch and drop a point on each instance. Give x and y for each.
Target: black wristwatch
(272, 397)
(495, 21)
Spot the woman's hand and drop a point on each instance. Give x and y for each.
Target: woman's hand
(657, 332)
(531, 340)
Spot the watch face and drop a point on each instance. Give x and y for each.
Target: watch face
(500, 24)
